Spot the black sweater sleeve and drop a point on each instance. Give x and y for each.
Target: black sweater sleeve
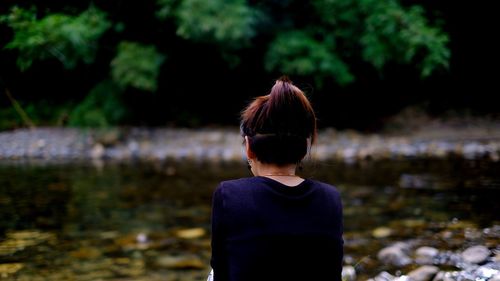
(219, 260)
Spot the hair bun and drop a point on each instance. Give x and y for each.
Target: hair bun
(285, 79)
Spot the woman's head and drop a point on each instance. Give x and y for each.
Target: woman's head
(279, 126)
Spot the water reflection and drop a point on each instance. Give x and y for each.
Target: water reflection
(151, 221)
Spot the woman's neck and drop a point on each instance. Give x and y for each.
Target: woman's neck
(283, 174)
(264, 169)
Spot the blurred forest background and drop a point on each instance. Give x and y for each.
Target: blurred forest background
(194, 63)
(163, 83)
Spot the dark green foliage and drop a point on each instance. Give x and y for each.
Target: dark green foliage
(136, 65)
(299, 53)
(226, 22)
(9, 118)
(330, 42)
(376, 32)
(41, 113)
(102, 107)
(404, 36)
(68, 38)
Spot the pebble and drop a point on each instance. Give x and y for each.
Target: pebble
(180, 262)
(348, 273)
(423, 273)
(190, 233)
(473, 263)
(476, 254)
(394, 255)
(426, 255)
(381, 232)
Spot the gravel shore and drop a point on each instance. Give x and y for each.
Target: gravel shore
(225, 144)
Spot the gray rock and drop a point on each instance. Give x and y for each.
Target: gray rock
(348, 273)
(426, 255)
(97, 151)
(394, 255)
(383, 276)
(476, 254)
(496, 277)
(486, 272)
(444, 276)
(423, 273)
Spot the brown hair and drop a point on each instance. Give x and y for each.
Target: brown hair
(278, 124)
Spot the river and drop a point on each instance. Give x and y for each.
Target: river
(151, 220)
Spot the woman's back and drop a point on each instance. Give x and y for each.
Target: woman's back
(266, 230)
(263, 229)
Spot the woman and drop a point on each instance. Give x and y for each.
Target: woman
(277, 225)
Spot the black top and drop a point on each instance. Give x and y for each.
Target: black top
(265, 230)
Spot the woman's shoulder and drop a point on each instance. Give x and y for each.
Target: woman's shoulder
(245, 186)
(327, 187)
(238, 181)
(235, 185)
(235, 194)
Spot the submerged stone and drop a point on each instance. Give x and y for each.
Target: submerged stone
(7, 269)
(86, 253)
(180, 262)
(381, 232)
(190, 233)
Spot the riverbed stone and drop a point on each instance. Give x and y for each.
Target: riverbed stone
(86, 253)
(423, 273)
(476, 254)
(381, 232)
(7, 269)
(97, 151)
(394, 255)
(444, 276)
(383, 276)
(426, 255)
(190, 233)
(487, 271)
(348, 273)
(180, 262)
(496, 277)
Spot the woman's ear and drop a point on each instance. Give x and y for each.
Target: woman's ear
(250, 154)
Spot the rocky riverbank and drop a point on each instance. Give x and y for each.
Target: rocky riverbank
(224, 144)
(476, 262)
(453, 251)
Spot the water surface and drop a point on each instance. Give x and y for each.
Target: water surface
(147, 221)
